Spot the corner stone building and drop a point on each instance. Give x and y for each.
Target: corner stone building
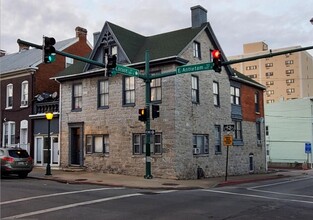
(100, 130)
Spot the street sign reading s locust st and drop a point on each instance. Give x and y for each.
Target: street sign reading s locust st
(194, 68)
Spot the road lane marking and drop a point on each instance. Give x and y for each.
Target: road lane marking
(72, 206)
(254, 188)
(257, 196)
(56, 194)
(279, 183)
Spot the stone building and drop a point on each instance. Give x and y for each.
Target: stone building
(99, 126)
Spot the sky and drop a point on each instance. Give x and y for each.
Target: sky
(279, 23)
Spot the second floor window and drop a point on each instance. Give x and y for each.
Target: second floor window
(68, 61)
(9, 98)
(24, 94)
(103, 93)
(234, 95)
(77, 96)
(196, 50)
(156, 90)
(216, 95)
(194, 89)
(129, 90)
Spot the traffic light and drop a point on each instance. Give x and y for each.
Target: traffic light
(143, 114)
(155, 111)
(111, 64)
(48, 49)
(217, 64)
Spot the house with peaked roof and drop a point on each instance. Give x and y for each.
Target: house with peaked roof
(99, 126)
(28, 93)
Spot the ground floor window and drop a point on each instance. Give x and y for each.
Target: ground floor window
(9, 134)
(97, 144)
(200, 144)
(139, 144)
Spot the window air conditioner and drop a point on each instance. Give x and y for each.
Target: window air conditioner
(196, 151)
(24, 102)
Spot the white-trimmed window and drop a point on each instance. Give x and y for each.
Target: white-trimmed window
(103, 93)
(216, 95)
(196, 49)
(9, 97)
(139, 144)
(200, 144)
(195, 89)
(129, 90)
(97, 144)
(234, 95)
(77, 99)
(8, 133)
(156, 89)
(24, 93)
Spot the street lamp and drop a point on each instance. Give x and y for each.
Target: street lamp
(49, 117)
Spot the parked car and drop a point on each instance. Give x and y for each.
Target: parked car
(15, 161)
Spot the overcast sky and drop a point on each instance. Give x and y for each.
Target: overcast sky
(279, 23)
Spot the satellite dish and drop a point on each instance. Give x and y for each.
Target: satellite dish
(40, 98)
(54, 95)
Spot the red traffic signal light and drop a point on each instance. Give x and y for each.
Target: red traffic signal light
(155, 111)
(217, 64)
(48, 49)
(143, 114)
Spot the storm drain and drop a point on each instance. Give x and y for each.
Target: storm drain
(78, 180)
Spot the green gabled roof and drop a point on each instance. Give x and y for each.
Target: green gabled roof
(160, 46)
(129, 40)
(76, 67)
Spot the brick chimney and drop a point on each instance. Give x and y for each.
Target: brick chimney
(198, 16)
(81, 33)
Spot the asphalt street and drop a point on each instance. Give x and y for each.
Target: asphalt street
(287, 198)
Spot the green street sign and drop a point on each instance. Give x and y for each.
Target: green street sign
(194, 68)
(126, 70)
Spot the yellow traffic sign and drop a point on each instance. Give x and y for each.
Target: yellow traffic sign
(228, 140)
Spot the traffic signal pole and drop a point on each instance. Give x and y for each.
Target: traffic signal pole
(148, 91)
(63, 53)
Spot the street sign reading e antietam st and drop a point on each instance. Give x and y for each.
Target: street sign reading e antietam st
(194, 68)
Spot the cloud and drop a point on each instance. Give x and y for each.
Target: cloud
(279, 23)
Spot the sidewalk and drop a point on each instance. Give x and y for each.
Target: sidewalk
(115, 180)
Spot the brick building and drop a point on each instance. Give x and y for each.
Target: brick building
(27, 93)
(100, 129)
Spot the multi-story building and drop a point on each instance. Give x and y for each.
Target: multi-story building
(100, 129)
(289, 128)
(288, 76)
(27, 93)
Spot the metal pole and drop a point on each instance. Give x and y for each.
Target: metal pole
(226, 173)
(147, 81)
(48, 169)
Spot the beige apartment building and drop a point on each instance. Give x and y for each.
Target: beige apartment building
(288, 76)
